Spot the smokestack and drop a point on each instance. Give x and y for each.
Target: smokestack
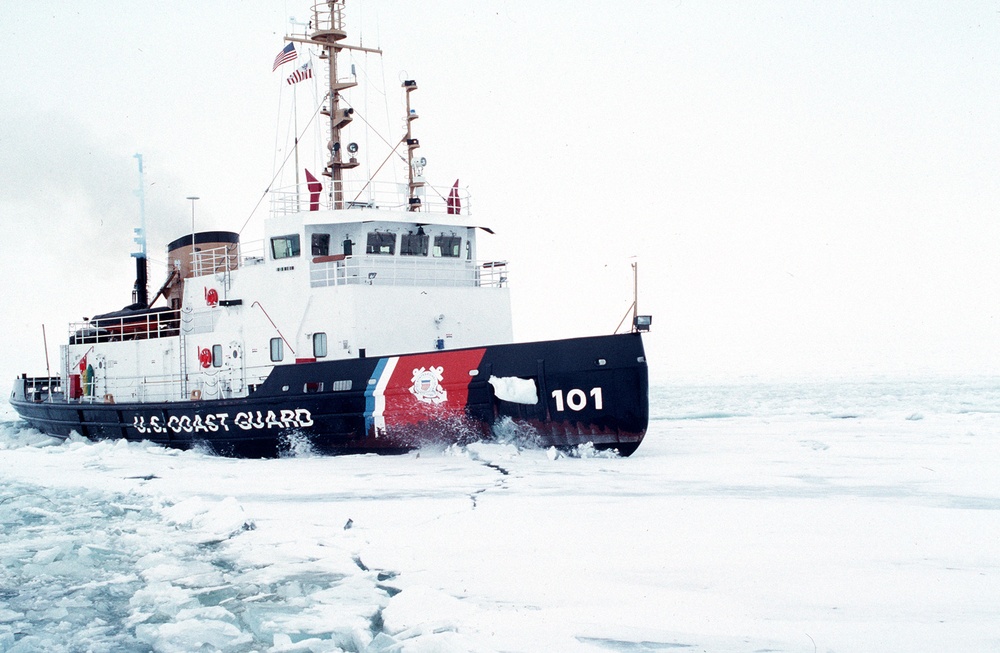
(141, 293)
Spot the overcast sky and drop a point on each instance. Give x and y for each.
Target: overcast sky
(808, 188)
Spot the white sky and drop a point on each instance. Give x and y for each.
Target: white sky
(809, 188)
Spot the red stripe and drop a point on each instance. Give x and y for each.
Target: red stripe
(415, 393)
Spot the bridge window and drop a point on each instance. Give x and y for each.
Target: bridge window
(285, 246)
(320, 244)
(414, 244)
(319, 345)
(448, 246)
(277, 350)
(381, 242)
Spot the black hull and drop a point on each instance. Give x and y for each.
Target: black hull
(589, 390)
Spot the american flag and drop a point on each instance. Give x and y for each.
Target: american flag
(304, 72)
(287, 54)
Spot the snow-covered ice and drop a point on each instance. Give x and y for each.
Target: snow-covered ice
(782, 517)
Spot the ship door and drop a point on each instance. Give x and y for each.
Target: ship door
(234, 370)
(99, 378)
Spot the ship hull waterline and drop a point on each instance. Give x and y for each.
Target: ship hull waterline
(562, 393)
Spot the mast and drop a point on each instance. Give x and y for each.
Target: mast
(416, 180)
(327, 30)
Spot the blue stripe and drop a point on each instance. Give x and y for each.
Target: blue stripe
(370, 393)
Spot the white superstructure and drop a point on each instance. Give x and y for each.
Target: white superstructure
(323, 285)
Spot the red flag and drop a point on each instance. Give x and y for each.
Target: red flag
(315, 188)
(454, 202)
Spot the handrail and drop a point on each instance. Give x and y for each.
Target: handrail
(42, 388)
(257, 304)
(215, 260)
(141, 325)
(368, 194)
(143, 388)
(374, 270)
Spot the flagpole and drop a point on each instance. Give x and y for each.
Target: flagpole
(295, 123)
(295, 127)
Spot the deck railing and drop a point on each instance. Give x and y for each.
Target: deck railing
(406, 271)
(139, 326)
(225, 383)
(216, 260)
(362, 195)
(42, 388)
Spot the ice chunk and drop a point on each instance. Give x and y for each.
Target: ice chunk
(491, 451)
(422, 610)
(214, 520)
(161, 599)
(515, 389)
(193, 635)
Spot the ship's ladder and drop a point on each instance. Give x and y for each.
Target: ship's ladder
(182, 351)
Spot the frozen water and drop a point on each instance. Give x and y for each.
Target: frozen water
(783, 517)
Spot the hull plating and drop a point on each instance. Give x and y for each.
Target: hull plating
(566, 393)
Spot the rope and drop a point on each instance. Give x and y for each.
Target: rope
(280, 168)
(372, 176)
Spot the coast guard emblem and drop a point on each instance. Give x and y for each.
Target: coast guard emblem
(427, 385)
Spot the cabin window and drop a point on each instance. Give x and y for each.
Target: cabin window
(468, 250)
(448, 246)
(381, 242)
(321, 244)
(319, 345)
(414, 244)
(277, 350)
(216, 355)
(285, 246)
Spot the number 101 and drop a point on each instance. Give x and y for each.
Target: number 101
(576, 399)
